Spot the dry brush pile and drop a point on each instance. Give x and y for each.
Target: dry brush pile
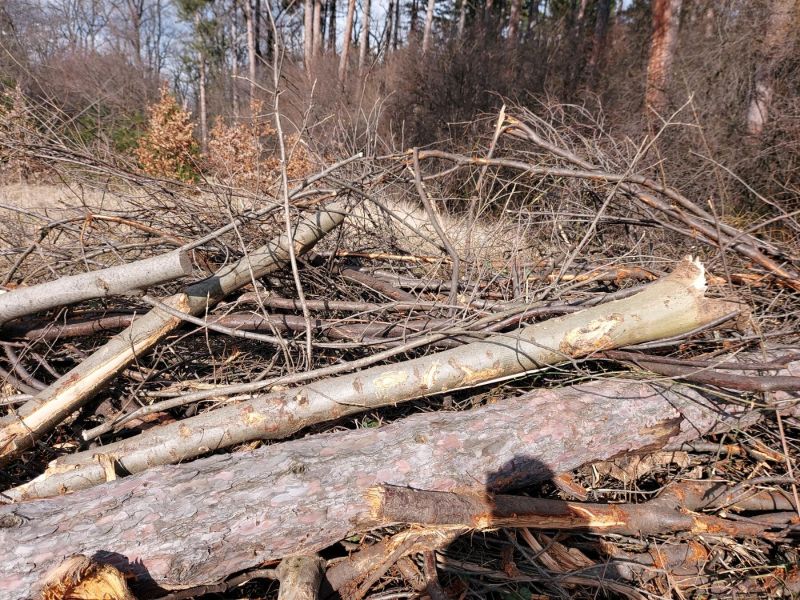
(430, 373)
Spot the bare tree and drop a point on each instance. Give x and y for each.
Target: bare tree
(308, 33)
(235, 61)
(462, 18)
(396, 32)
(316, 30)
(348, 34)
(666, 20)
(389, 27)
(252, 60)
(363, 43)
(426, 35)
(513, 21)
(775, 47)
(599, 39)
(332, 26)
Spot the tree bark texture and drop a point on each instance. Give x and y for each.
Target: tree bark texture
(308, 33)
(317, 30)
(363, 42)
(427, 31)
(72, 390)
(775, 47)
(347, 36)
(599, 39)
(671, 306)
(666, 21)
(251, 50)
(138, 275)
(195, 523)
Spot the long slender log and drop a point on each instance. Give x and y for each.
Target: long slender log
(40, 415)
(112, 281)
(301, 496)
(673, 305)
(670, 512)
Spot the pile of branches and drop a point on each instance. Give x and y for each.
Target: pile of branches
(478, 373)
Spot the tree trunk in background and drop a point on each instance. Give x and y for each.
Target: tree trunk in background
(775, 47)
(666, 21)
(235, 62)
(513, 22)
(533, 15)
(251, 49)
(389, 26)
(599, 39)
(332, 26)
(257, 27)
(462, 18)
(412, 26)
(308, 32)
(348, 34)
(363, 43)
(201, 96)
(426, 35)
(396, 35)
(317, 30)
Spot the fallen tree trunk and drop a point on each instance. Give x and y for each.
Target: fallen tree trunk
(671, 306)
(112, 281)
(41, 414)
(195, 523)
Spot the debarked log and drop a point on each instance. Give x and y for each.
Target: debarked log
(671, 306)
(72, 390)
(138, 275)
(195, 523)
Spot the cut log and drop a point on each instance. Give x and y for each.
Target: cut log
(41, 414)
(112, 281)
(671, 306)
(195, 523)
(300, 577)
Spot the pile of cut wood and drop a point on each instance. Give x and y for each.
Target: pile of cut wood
(512, 342)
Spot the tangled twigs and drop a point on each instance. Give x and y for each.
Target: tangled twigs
(723, 235)
(693, 217)
(52, 405)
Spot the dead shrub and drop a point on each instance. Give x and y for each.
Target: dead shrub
(168, 148)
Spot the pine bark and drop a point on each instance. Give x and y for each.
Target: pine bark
(193, 524)
(666, 21)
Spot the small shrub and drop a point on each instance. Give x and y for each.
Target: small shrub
(168, 148)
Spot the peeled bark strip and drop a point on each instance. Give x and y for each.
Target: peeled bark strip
(301, 496)
(41, 414)
(112, 281)
(671, 306)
